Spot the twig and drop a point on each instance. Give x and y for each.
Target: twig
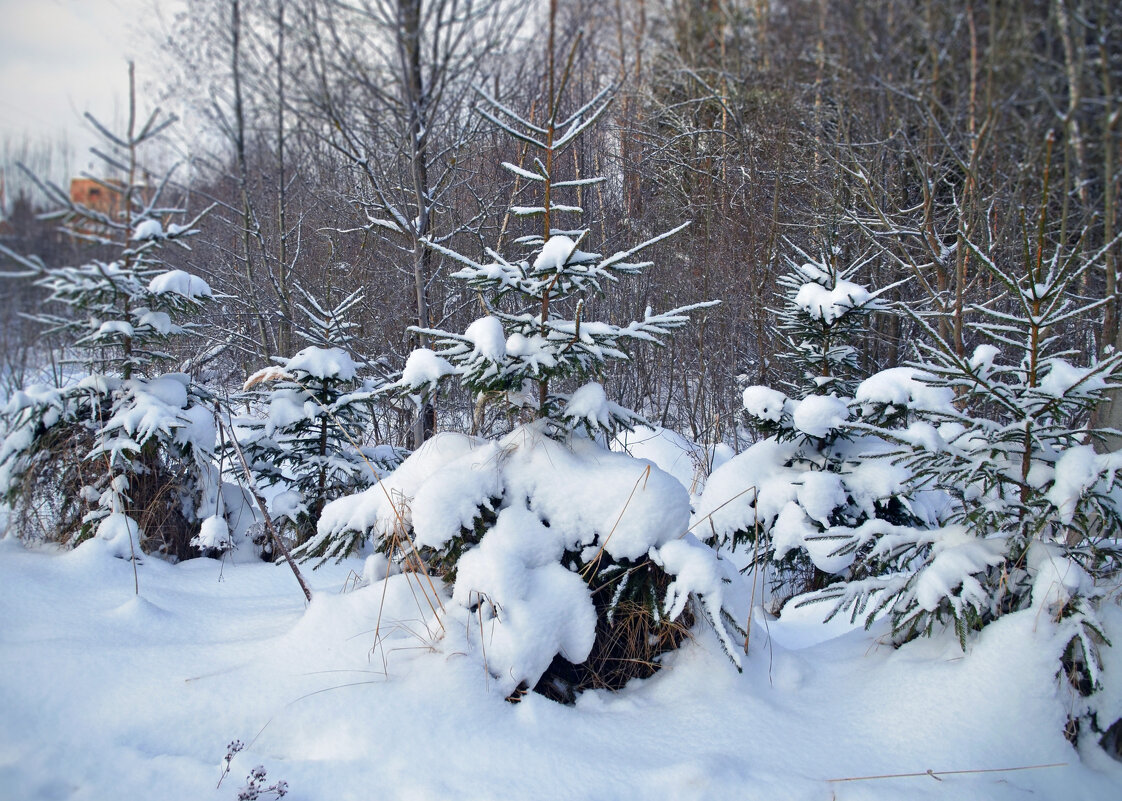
(936, 774)
(265, 515)
(755, 574)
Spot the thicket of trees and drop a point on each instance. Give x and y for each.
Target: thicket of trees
(338, 138)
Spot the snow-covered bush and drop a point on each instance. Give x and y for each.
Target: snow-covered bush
(566, 561)
(570, 565)
(315, 412)
(121, 450)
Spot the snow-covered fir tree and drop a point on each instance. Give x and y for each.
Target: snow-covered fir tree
(992, 455)
(1033, 510)
(570, 566)
(791, 504)
(316, 410)
(121, 449)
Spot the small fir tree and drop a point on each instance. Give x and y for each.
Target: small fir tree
(316, 413)
(798, 495)
(121, 449)
(1003, 435)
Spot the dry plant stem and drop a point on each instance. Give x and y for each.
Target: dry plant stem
(935, 774)
(755, 575)
(268, 522)
(135, 576)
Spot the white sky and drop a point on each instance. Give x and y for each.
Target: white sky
(60, 58)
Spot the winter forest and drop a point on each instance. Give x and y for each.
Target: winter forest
(582, 399)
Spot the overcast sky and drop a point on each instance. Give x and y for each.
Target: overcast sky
(60, 58)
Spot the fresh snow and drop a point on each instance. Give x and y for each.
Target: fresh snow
(423, 367)
(818, 415)
(905, 387)
(828, 305)
(667, 449)
(323, 363)
(107, 694)
(487, 337)
(180, 282)
(764, 403)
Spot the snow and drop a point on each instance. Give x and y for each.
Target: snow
(323, 363)
(554, 254)
(1063, 377)
(764, 403)
(487, 337)
(520, 604)
(120, 533)
(378, 508)
(981, 361)
(214, 533)
(827, 304)
(667, 449)
(590, 403)
(1076, 472)
(107, 694)
(820, 493)
(159, 322)
(180, 282)
(819, 415)
(748, 490)
(957, 556)
(450, 497)
(115, 327)
(423, 367)
(905, 387)
(148, 229)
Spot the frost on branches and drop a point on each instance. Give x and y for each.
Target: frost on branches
(570, 566)
(121, 450)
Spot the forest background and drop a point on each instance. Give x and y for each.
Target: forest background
(336, 138)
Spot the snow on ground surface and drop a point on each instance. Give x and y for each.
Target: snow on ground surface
(109, 695)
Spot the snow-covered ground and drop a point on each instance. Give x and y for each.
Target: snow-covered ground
(108, 695)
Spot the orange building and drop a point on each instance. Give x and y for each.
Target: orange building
(95, 195)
